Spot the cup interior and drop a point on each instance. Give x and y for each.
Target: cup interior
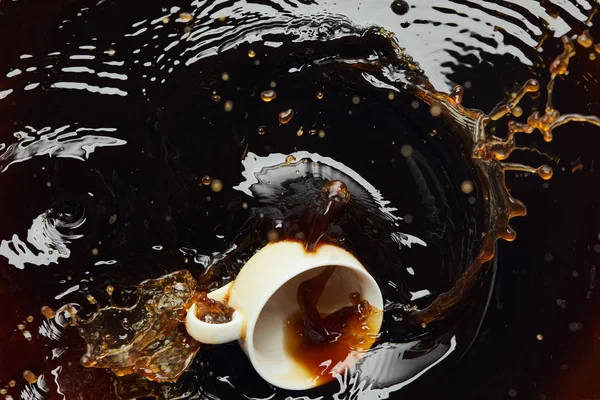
(267, 344)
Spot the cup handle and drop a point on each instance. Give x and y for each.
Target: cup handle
(215, 333)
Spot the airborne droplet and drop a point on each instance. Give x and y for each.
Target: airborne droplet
(186, 17)
(286, 116)
(585, 39)
(545, 172)
(268, 95)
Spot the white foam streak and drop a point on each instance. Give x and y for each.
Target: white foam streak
(82, 57)
(112, 75)
(31, 86)
(48, 243)
(136, 33)
(14, 72)
(89, 88)
(5, 93)
(56, 144)
(78, 70)
(419, 294)
(66, 292)
(55, 373)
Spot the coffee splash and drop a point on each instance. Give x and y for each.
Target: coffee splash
(328, 344)
(149, 338)
(489, 153)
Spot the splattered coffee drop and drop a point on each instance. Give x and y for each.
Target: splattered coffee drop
(545, 172)
(286, 116)
(228, 106)
(216, 185)
(206, 180)
(216, 98)
(47, 312)
(251, 53)
(400, 7)
(212, 311)
(186, 17)
(268, 96)
(585, 39)
(29, 376)
(290, 159)
(466, 187)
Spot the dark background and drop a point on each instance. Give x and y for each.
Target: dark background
(545, 278)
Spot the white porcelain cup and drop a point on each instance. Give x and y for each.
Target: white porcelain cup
(264, 296)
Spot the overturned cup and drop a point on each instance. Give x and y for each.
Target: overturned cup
(299, 316)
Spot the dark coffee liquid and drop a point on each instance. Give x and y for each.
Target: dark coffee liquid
(141, 182)
(320, 342)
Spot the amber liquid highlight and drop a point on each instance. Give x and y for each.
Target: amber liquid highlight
(324, 344)
(489, 153)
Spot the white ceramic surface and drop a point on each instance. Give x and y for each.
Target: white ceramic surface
(264, 296)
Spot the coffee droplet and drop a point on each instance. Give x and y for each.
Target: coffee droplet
(225, 76)
(592, 56)
(517, 111)
(300, 131)
(186, 17)
(206, 180)
(29, 376)
(319, 95)
(321, 133)
(312, 132)
(216, 98)
(251, 53)
(268, 95)
(399, 7)
(466, 187)
(290, 159)
(47, 312)
(406, 150)
(228, 106)
(286, 116)
(261, 130)
(585, 39)
(355, 100)
(597, 47)
(110, 289)
(91, 299)
(435, 111)
(272, 235)
(391, 96)
(216, 185)
(545, 172)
